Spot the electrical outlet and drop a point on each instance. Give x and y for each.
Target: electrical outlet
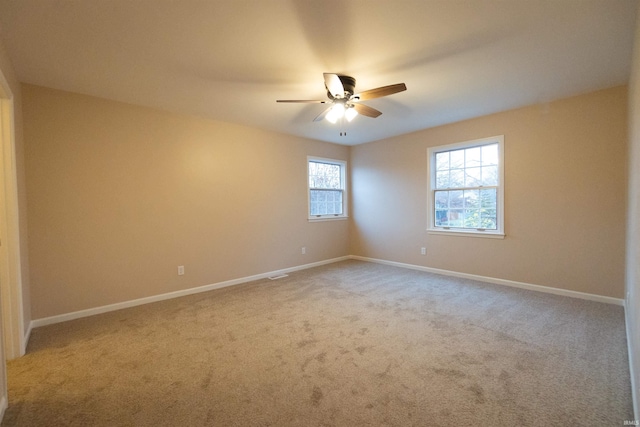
(181, 270)
(304, 250)
(423, 251)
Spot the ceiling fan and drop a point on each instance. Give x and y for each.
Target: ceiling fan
(345, 102)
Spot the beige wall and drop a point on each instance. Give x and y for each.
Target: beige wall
(633, 216)
(120, 195)
(565, 197)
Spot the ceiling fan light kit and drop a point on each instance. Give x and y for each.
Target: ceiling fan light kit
(335, 112)
(345, 102)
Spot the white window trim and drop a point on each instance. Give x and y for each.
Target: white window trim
(492, 234)
(345, 197)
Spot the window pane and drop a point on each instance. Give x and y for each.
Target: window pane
(324, 175)
(490, 175)
(442, 218)
(464, 209)
(442, 161)
(488, 219)
(488, 198)
(471, 199)
(472, 218)
(456, 178)
(456, 199)
(326, 202)
(474, 209)
(442, 179)
(456, 218)
(313, 169)
(490, 154)
(472, 177)
(472, 157)
(442, 199)
(456, 159)
(337, 209)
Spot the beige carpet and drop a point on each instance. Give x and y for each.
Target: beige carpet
(348, 344)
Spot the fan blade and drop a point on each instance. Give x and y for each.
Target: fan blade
(379, 92)
(322, 115)
(308, 101)
(334, 85)
(366, 110)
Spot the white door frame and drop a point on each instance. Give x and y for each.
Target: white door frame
(10, 264)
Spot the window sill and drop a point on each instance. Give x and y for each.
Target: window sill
(327, 218)
(464, 233)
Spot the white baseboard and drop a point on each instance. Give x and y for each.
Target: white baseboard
(634, 394)
(511, 283)
(126, 304)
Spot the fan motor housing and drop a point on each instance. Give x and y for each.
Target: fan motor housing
(348, 83)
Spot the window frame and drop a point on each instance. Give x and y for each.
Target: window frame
(343, 182)
(499, 232)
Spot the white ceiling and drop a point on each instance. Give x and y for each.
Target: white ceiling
(231, 59)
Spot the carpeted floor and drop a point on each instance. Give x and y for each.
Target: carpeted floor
(347, 344)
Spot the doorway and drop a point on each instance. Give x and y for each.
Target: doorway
(10, 267)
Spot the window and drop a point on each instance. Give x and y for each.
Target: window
(326, 188)
(466, 182)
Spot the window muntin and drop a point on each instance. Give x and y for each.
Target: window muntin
(326, 188)
(466, 187)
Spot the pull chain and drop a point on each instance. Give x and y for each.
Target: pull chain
(343, 132)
